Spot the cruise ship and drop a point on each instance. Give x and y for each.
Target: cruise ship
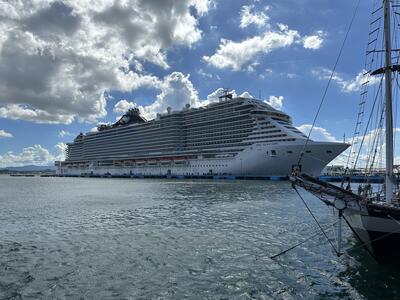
(233, 137)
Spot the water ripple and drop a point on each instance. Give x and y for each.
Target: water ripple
(157, 239)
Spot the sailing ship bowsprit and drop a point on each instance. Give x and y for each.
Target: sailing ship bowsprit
(373, 214)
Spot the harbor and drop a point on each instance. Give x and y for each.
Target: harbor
(199, 149)
(149, 238)
(326, 178)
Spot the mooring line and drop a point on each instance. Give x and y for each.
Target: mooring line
(316, 221)
(302, 242)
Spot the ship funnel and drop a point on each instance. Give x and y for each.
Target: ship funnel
(169, 109)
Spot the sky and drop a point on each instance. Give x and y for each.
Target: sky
(66, 66)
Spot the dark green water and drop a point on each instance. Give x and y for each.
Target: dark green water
(79, 238)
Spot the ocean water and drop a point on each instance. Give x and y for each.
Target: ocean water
(87, 238)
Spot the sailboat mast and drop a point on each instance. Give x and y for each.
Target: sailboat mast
(388, 103)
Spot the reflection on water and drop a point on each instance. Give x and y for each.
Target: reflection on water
(173, 239)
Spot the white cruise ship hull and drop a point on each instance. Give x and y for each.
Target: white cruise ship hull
(257, 160)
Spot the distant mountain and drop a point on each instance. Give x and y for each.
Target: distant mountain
(30, 168)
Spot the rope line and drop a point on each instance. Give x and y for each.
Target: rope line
(316, 221)
(367, 126)
(300, 243)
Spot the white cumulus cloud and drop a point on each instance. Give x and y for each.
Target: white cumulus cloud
(5, 134)
(123, 106)
(243, 55)
(249, 16)
(235, 55)
(314, 41)
(275, 101)
(246, 95)
(349, 85)
(34, 155)
(214, 96)
(63, 133)
(22, 112)
(176, 91)
(59, 59)
(318, 133)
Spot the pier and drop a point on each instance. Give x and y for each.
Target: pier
(215, 177)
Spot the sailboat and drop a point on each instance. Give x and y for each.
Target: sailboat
(372, 214)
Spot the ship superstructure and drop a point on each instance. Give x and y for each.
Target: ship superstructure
(235, 136)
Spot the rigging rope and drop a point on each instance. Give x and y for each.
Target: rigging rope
(330, 79)
(302, 242)
(315, 219)
(366, 127)
(377, 133)
(370, 58)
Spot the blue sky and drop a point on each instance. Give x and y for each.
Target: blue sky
(67, 65)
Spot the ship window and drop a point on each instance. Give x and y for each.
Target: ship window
(290, 152)
(308, 151)
(328, 151)
(273, 152)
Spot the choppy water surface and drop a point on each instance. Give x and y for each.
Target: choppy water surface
(173, 239)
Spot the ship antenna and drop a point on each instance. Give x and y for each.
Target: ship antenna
(388, 104)
(226, 94)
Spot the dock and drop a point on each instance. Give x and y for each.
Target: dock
(214, 177)
(326, 178)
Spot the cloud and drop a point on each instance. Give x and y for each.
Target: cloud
(204, 74)
(58, 60)
(374, 140)
(22, 112)
(239, 55)
(249, 17)
(235, 55)
(275, 101)
(203, 6)
(214, 96)
(246, 95)
(34, 155)
(123, 106)
(314, 41)
(5, 134)
(350, 85)
(176, 90)
(318, 133)
(63, 133)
